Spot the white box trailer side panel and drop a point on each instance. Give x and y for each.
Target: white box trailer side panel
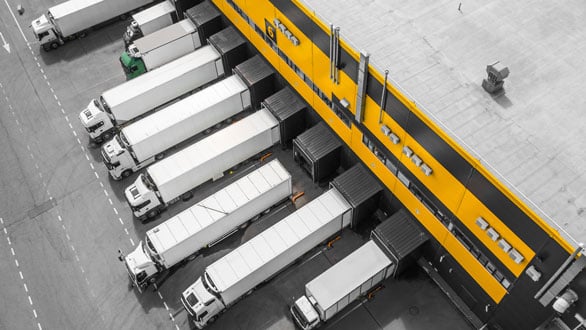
(351, 277)
(155, 17)
(76, 15)
(144, 93)
(220, 213)
(270, 251)
(214, 154)
(168, 43)
(181, 120)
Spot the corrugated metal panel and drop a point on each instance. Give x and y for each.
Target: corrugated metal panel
(202, 13)
(400, 235)
(284, 104)
(253, 70)
(318, 141)
(227, 40)
(357, 185)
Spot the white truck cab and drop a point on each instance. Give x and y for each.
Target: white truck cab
(118, 158)
(304, 313)
(95, 119)
(141, 197)
(201, 301)
(140, 265)
(44, 31)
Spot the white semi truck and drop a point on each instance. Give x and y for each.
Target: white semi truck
(144, 141)
(73, 18)
(150, 20)
(351, 278)
(206, 223)
(230, 278)
(172, 178)
(171, 42)
(134, 98)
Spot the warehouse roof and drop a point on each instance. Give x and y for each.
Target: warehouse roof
(533, 137)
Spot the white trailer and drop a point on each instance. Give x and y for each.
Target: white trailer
(351, 278)
(72, 18)
(207, 222)
(163, 183)
(233, 276)
(150, 20)
(148, 139)
(171, 42)
(136, 97)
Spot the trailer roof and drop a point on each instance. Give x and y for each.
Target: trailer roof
(165, 35)
(153, 12)
(347, 275)
(163, 119)
(66, 8)
(218, 205)
(318, 141)
(211, 146)
(271, 243)
(533, 137)
(163, 74)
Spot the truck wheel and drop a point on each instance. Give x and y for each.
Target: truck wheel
(126, 173)
(123, 17)
(82, 34)
(212, 319)
(54, 45)
(192, 257)
(46, 48)
(186, 196)
(106, 136)
(151, 280)
(152, 213)
(160, 156)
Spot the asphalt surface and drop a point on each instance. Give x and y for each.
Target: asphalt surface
(63, 219)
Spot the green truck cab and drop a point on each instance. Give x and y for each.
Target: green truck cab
(132, 64)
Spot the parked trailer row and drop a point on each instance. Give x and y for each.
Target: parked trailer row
(230, 278)
(134, 98)
(207, 222)
(148, 139)
(171, 42)
(72, 18)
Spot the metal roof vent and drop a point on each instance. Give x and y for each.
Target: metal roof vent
(497, 73)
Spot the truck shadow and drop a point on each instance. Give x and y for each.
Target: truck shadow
(97, 38)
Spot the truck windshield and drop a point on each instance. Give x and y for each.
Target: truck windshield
(104, 105)
(299, 316)
(147, 181)
(209, 284)
(150, 249)
(122, 141)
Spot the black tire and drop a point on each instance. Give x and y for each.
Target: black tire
(186, 196)
(212, 319)
(160, 156)
(82, 34)
(106, 136)
(54, 45)
(151, 280)
(192, 257)
(46, 48)
(123, 17)
(126, 173)
(152, 213)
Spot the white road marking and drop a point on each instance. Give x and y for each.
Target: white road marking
(40, 327)
(30, 300)
(59, 217)
(75, 133)
(110, 201)
(106, 193)
(160, 295)
(115, 210)
(16, 262)
(5, 231)
(72, 248)
(12, 250)
(70, 126)
(92, 166)
(131, 242)
(67, 235)
(55, 96)
(87, 157)
(17, 24)
(101, 184)
(20, 273)
(121, 222)
(25, 287)
(76, 258)
(96, 174)
(126, 231)
(35, 312)
(1, 221)
(66, 119)
(83, 271)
